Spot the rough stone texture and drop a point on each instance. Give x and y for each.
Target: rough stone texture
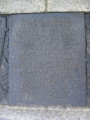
(43, 113)
(47, 59)
(21, 6)
(2, 34)
(31, 6)
(4, 119)
(68, 5)
(87, 23)
(88, 100)
(3, 59)
(87, 20)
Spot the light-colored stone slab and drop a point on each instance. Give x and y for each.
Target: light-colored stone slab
(68, 5)
(36, 6)
(21, 6)
(43, 113)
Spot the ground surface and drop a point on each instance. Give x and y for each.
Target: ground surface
(43, 113)
(37, 6)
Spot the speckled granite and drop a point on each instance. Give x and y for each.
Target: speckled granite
(43, 113)
(37, 6)
(22, 6)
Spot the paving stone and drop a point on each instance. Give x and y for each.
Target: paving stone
(30, 6)
(88, 90)
(88, 59)
(4, 119)
(88, 48)
(68, 5)
(47, 59)
(45, 113)
(22, 6)
(87, 24)
(88, 100)
(2, 34)
(88, 35)
(87, 19)
(88, 71)
(88, 82)
(3, 63)
(88, 64)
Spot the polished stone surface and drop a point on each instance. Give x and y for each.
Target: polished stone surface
(47, 59)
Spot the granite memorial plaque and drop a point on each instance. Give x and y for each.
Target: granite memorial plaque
(47, 59)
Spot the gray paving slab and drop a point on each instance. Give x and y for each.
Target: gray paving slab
(88, 83)
(87, 19)
(2, 34)
(88, 100)
(47, 59)
(4, 119)
(88, 47)
(88, 35)
(3, 63)
(88, 68)
(88, 58)
(87, 24)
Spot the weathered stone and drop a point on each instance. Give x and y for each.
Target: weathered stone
(88, 35)
(88, 100)
(2, 34)
(45, 113)
(21, 6)
(88, 83)
(47, 59)
(87, 19)
(68, 5)
(30, 6)
(3, 62)
(4, 118)
(88, 48)
(88, 59)
(88, 70)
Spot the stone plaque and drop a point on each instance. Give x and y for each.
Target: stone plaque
(47, 59)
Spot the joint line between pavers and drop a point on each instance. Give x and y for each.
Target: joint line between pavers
(86, 56)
